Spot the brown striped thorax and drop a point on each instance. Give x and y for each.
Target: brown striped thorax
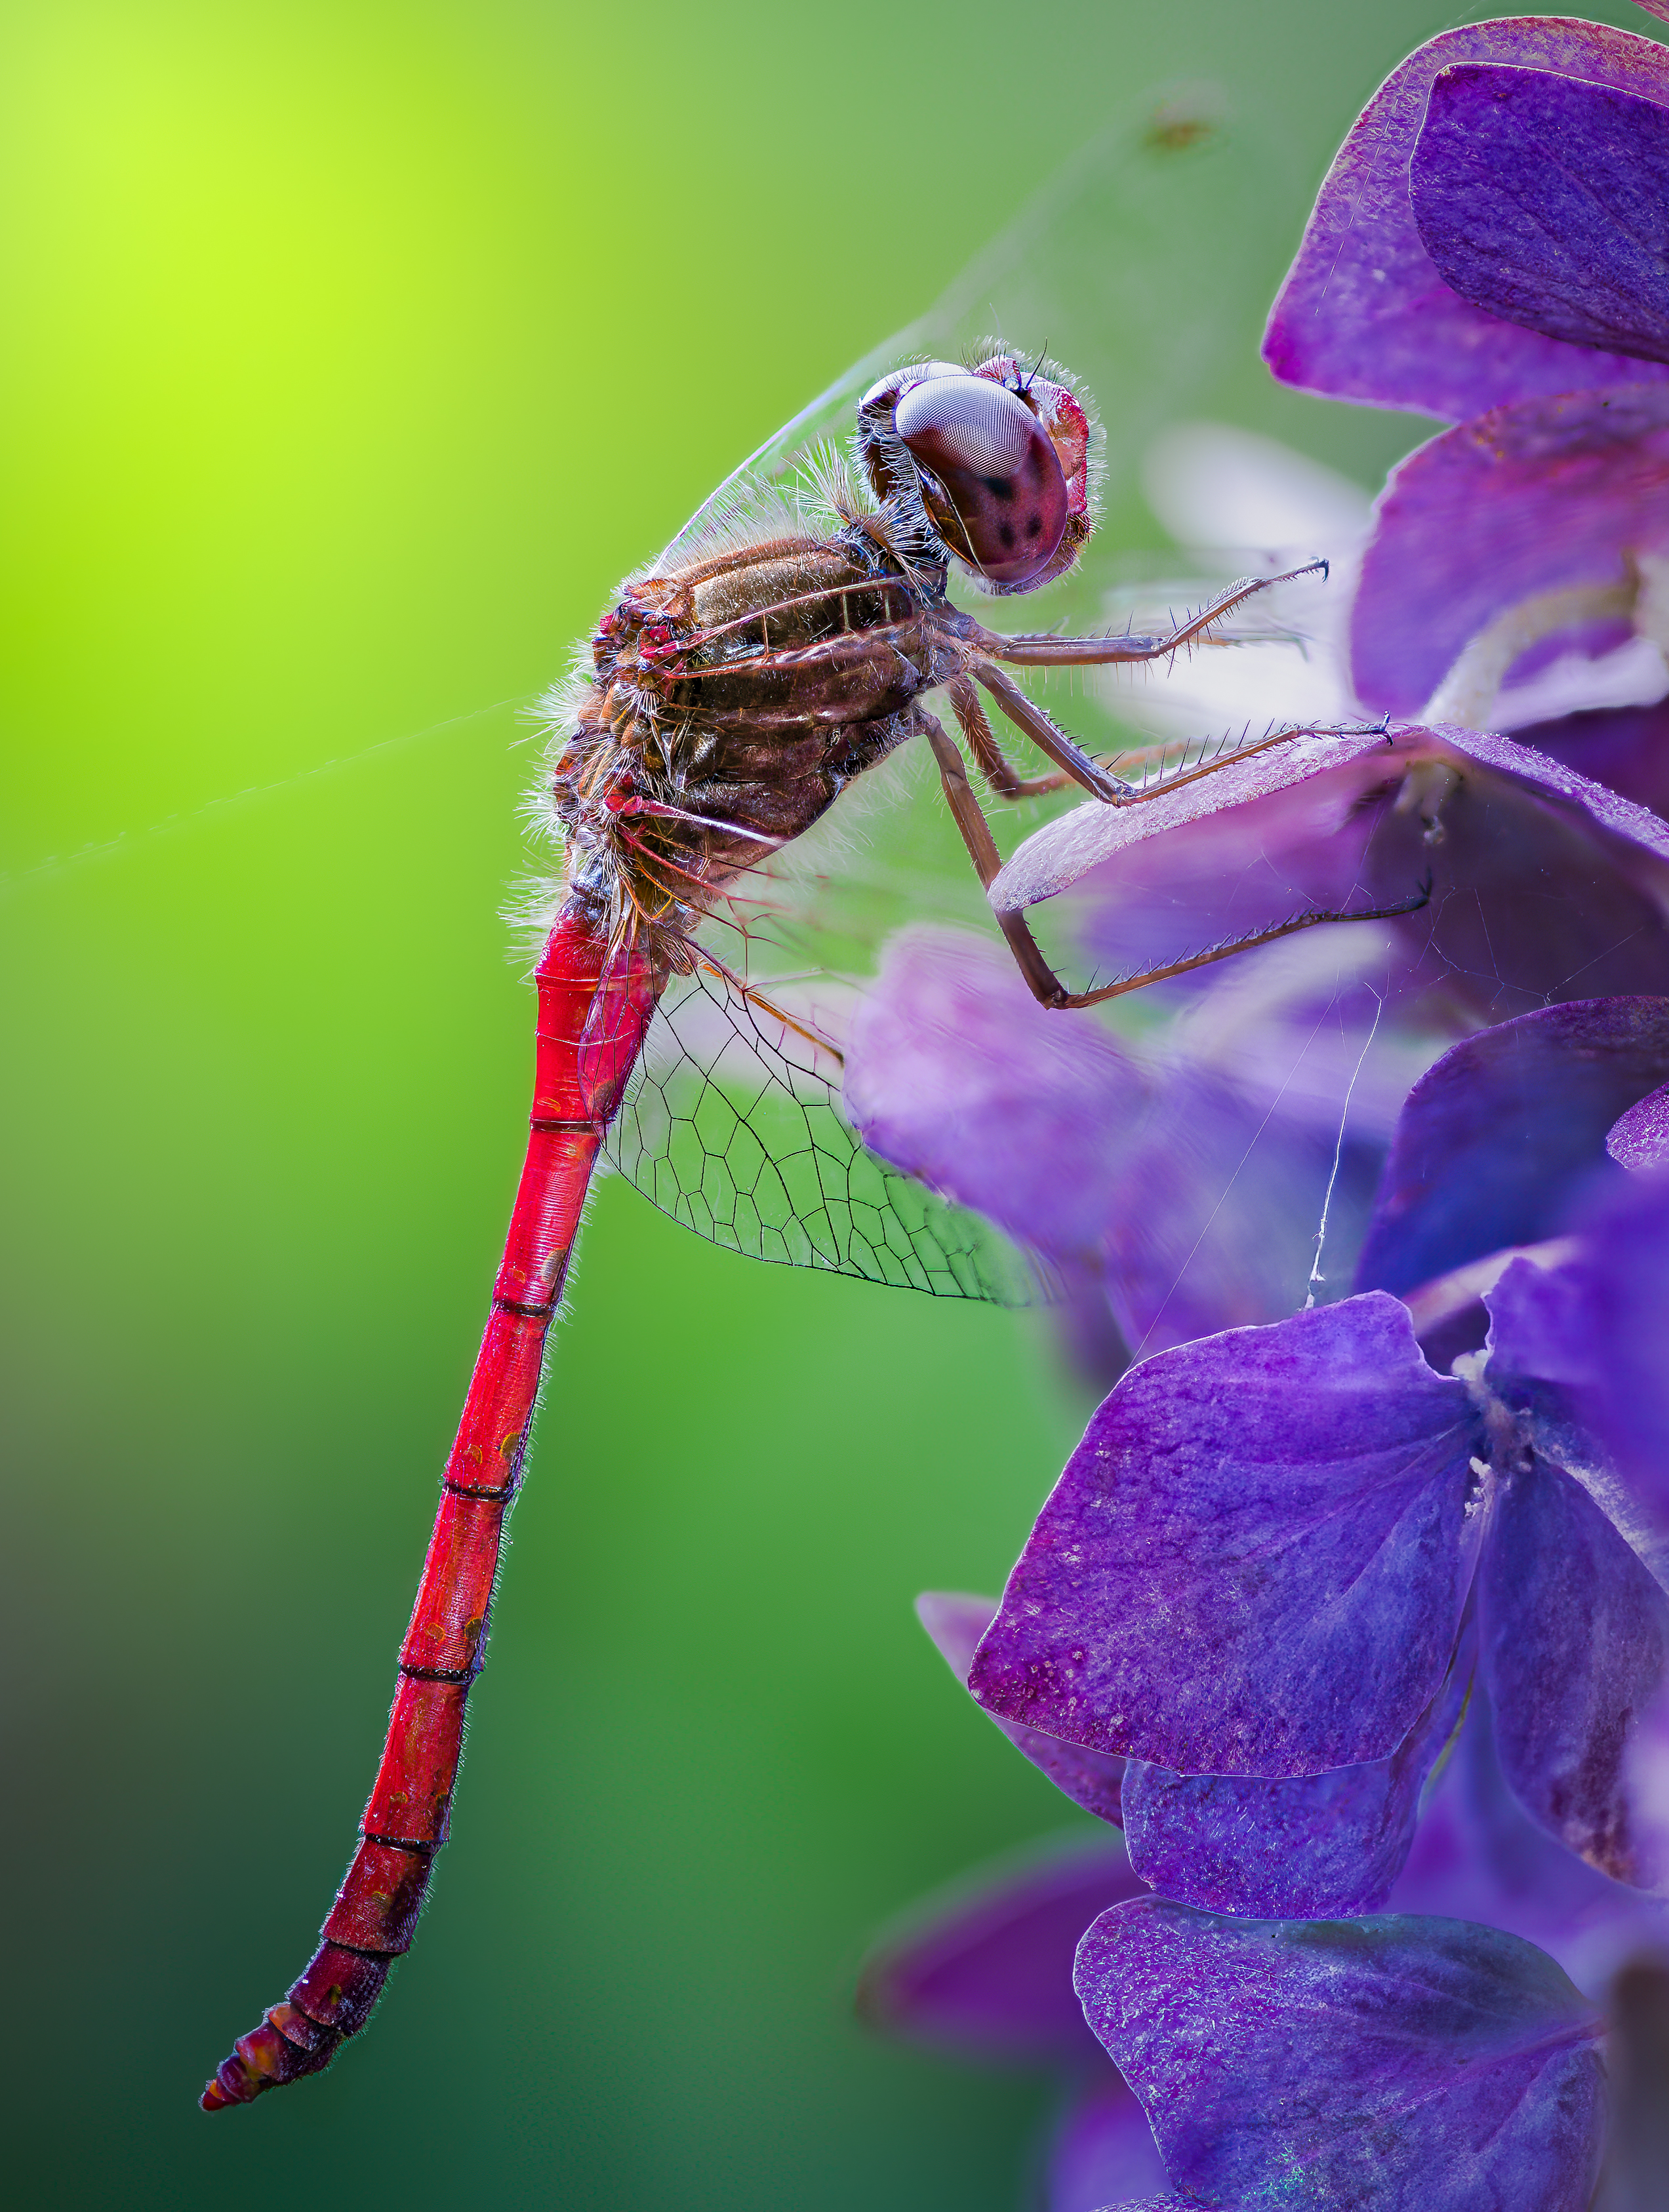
(735, 689)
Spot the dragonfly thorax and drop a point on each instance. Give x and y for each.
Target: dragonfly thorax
(730, 702)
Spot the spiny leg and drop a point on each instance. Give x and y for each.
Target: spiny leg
(1045, 984)
(1005, 780)
(1112, 790)
(1050, 738)
(1034, 650)
(1012, 924)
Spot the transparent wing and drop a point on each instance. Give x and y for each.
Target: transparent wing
(1145, 266)
(733, 1126)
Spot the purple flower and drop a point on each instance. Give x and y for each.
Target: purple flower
(986, 1973)
(1397, 2045)
(983, 1975)
(1491, 230)
(1394, 2061)
(1259, 1562)
(1546, 1130)
(1478, 1855)
(1492, 243)
(1175, 1187)
(1502, 1137)
(1544, 885)
(1597, 1325)
(1535, 525)
(1368, 1604)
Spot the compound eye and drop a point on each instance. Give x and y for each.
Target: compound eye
(992, 479)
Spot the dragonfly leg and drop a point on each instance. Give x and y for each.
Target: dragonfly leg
(1004, 779)
(1226, 951)
(1045, 985)
(1112, 790)
(1050, 738)
(1043, 650)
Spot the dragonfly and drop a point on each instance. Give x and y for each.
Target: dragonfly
(775, 657)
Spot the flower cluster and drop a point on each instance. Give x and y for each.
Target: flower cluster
(1351, 1609)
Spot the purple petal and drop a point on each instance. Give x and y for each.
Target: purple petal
(1218, 822)
(1541, 199)
(1574, 1636)
(1392, 2062)
(1624, 748)
(1539, 1316)
(985, 1969)
(1497, 1140)
(1313, 1848)
(955, 1073)
(1544, 884)
(1212, 1224)
(1541, 496)
(1640, 1138)
(1103, 2151)
(1364, 313)
(1627, 1315)
(1256, 1561)
(1173, 1203)
(1478, 1855)
(1094, 1780)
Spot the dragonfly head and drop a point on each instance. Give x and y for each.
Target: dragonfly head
(991, 464)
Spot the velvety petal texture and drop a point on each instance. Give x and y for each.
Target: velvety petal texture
(1501, 1136)
(1313, 1848)
(1544, 199)
(1256, 1561)
(1180, 1200)
(1543, 884)
(1640, 1138)
(1575, 1631)
(1094, 1780)
(1302, 791)
(1545, 495)
(1365, 313)
(985, 1970)
(1427, 2065)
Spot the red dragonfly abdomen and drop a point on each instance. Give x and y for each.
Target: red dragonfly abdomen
(593, 1009)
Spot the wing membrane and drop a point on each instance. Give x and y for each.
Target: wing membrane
(1145, 266)
(733, 1126)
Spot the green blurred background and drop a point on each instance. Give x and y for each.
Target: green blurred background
(355, 351)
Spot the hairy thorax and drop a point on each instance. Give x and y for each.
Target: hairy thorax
(731, 701)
